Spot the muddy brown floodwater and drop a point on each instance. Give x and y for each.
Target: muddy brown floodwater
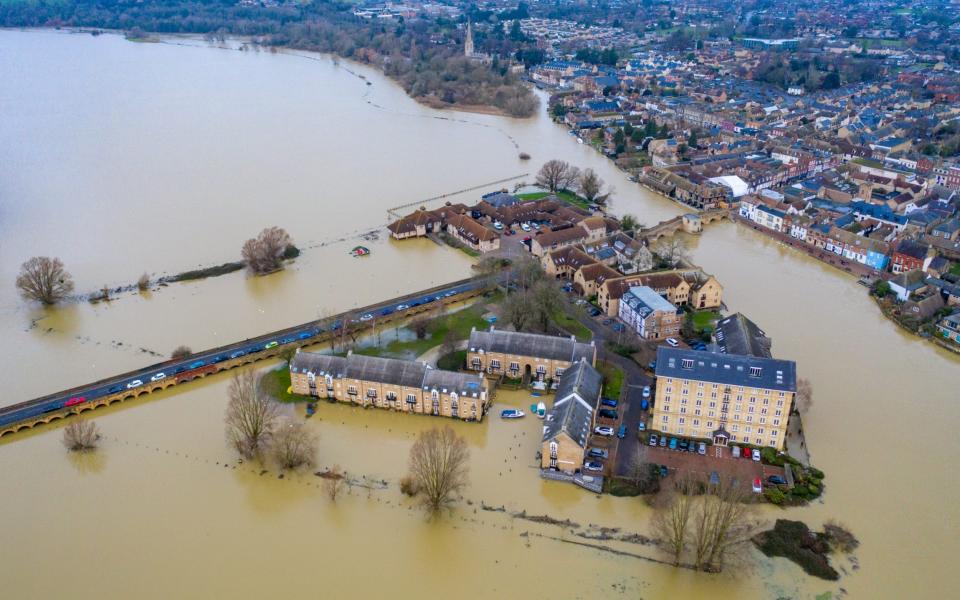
(123, 158)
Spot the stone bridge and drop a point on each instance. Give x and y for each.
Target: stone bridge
(689, 223)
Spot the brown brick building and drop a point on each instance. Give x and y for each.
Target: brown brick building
(525, 355)
(570, 421)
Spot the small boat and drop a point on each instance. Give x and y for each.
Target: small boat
(541, 410)
(511, 413)
(360, 251)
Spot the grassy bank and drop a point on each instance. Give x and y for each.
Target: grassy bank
(565, 195)
(459, 323)
(572, 326)
(277, 382)
(612, 378)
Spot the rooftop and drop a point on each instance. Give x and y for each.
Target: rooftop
(726, 369)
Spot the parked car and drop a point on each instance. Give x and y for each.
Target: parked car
(702, 448)
(386, 311)
(134, 384)
(158, 377)
(672, 342)
(606, 413)
(653, 438)
(641, 426)
(684, 444)
(287, 340)
(607, 321)
(179, 369)
(652, 366)
(663, 441)
(646, 391)
(673, 443)
(622, 432)
(735, 451)
(608, 402)
(497, 225)
(644, 405)
(693, 446)
(746, 452)
(597, 453)
(756, 456)
(238, 354)
(777, 480)
(757, 485)
(304, 335)
(593, 466)
(617, 326)
(594, 311)
(197, 364)
(603, 430)
(525, 226)
(366, 317)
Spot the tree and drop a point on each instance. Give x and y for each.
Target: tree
(591, 187)
(629, 224)
(721, 521)
(546, 300)
(251, 417)
(671, 522)
(804, 397)
(438, 464)
(265, 253)
(293, 445)
(143, 283)
(44, 279)
(334, 481)
(81, 435)
(672, 251)
(881, 288)
(516, 310)
(693, 140)
(181, 352)
(556, 175)
(420, 326)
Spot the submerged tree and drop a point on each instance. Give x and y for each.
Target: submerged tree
(181, 352)
(251, 417)
(265, 253)
(44, 279)
(293, 445)
(81, 435)
(438, 464)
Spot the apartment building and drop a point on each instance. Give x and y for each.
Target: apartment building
(525, 355)
(648, 314)
(570, 421)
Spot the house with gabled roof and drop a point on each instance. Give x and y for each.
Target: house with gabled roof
(570, 421)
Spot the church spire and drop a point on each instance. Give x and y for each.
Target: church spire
(468, 42)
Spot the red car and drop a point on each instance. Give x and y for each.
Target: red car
(745, 452)
(757, 485)
(76, 400)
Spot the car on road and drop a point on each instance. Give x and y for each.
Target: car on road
(622, 432)
(672, 342)
(607, 321)
(606, 413)
(403, 306)
(158, 377)
(269, 345)
(608, 402)
(593, 466)
(179, 369)
(115, 389)
(603, 430)
(702, 448)
(594, 311)
(197, 364)
(641, 426)
(366, 317)
(663, 441)
(598, 453)
(287, 340)
(134, 384)
(646, 391)
(304, 335)
(386, 311)
(673, 443)
(75, 400)
(238, 354)
(653, 439)
(777, 480)
(756, 456)
(757, 485)
(220, 358)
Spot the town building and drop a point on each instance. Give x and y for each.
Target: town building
(682, 287)
(908, 256)
(570, 421)
(390, 383)
(949, 327)
(525, 355)
(722, 397)
(648, 314)
(739, 335)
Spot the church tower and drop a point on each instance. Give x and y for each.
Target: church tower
(468, 43)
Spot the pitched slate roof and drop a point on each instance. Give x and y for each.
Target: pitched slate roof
(726, 369)
(531, 344)
(577, 396)
(581, 380)
(737, 334)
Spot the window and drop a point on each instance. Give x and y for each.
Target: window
(683, 400)
(696, 422)
(559, 373)
(760, 430)
(683, 410)
(514, 366)
(411, 399)
(475, 363)
(435, 395)
(686, 363)
(665, 419)
(352, 390)
(371, 393)
(696, 411)
(699, 402)
(749, 419)
(756, 371)
(750, 409)
(699, 393)
(776, 423)
(780, 403)
(713, 405)
(666, 408)
(735, 428)
(763, 411)
(495, 364)
(682, 420)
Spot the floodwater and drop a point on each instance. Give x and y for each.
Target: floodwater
(123, 158)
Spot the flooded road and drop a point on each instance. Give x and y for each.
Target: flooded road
(123, 158)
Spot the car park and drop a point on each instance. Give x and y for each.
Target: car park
(776, 480)
(603, 430)
(158, 377)
(593, 466)
(672, 342)
(622, 432)
(757, 485)
(597, 453)
(133, 384)
(608, 402)
(702, 448)
(653, 439)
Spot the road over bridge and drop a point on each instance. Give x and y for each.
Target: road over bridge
(52, 407)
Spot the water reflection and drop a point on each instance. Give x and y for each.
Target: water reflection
(90, 462)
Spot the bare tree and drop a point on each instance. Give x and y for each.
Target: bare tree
(438, 463)
(671, 522)
(81, 435)
(143, 283)
(546, 301)
(293, 445)
(672, 251)
(804, 397)
(591, 187)
(44, 279)
(334, 481)
(556, 175)
(722, 521)
(516, 310)
(181, 352)
(252, 416)
(420, 325)
(449, 345)
(265, 253)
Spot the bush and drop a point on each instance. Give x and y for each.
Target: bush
(775, 496)
(409, 487)
(795, 541)
(453, 361)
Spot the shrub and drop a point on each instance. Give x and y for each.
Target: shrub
(795, 541)
(774, 496)
(408, 486)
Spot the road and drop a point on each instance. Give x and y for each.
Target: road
(297, 335)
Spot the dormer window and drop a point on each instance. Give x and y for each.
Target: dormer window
(686, 363)
(755, 371)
